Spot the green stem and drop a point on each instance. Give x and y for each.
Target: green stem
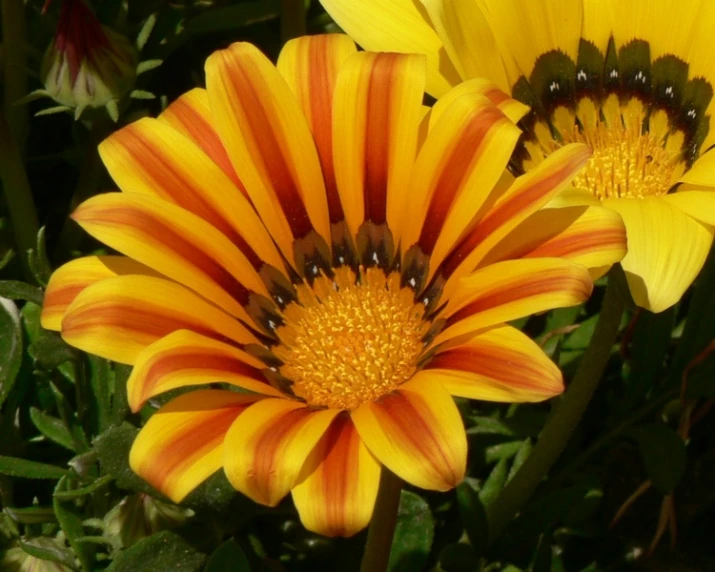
(382, 526)
(292, 19)
(18, 195)
(563, 421)
(14, 67)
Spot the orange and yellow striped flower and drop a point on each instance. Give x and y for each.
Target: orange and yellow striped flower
(308, 236)
(633, 79)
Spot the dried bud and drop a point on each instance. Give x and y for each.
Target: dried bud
(17, 560)
(87, 64)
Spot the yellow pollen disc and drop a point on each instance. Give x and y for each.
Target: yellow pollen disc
(347, 343)
(624, 164)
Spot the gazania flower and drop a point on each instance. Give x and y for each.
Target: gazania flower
(632, 79)
(297, 233)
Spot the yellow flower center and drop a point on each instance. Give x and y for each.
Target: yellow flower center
(346, 342)
(625, 163)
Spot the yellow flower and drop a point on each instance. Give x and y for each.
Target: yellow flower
(633, 79)
(303, 234)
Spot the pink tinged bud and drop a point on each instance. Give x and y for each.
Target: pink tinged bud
(87, 64)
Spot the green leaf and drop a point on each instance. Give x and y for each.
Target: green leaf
(521, 455)
(101, 380)
(70, 518)
(24, 469)
(50, 350)
(458, 557)
(52, 428)
(145, 31)
(701, 379)
(161, 552)
(147, 65)
(228, 556)
(501, 451)
(663, 453)
(83, 491)
(474, 517)
(38, 262)
(651, 337)
(413, 534)
(16, 290)
(47, 549)
(494, 483)
(31, 514)
(10, 346)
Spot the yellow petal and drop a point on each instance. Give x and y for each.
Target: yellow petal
(417, 433)
(71, 278)
(268, 445)
(269, 142)
(118, 317)
(509, 290)
(310, 66)
(176, 243)
(500, 364)
(341, 478)
(666, 250)
(182, 443)
(396, 26)
(702, 173)
(468, 39)
(186, 358)
(151, 158)
(376, 115)
(697, 203)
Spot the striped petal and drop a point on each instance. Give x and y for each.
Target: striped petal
(267, 446)
(396, 26)
(151, 158)
(376, 114)
(501, 364)
(512, 289)
(460, 162)
(118, 317)
(186, 358)
(175, 242)
(310, 66)
(666, 250)
(191, 116)
(70, 279)
(182, 443)
(269, 143)
(417, 433)
(529, 193)
(467, 38)
(337, 495)
(589, 235)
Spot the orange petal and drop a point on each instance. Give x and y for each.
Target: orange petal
(182, 443)
(459, 164)
(151, 158)
(186, 358)
(376, 114)
(310, 66)
(417, 433)
(337, 495)
(117, 318)
(528, 193)
(269, 142)
(70, 279)
(501, 364)
(191, 115)
(265, 449)
(512, 289)
(175, 242)
(590, 235)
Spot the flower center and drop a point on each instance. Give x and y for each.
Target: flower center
(348, 341)
(625, 163)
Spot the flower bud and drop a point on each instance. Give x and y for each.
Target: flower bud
(87, 64)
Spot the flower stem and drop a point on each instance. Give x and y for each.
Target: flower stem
(292, 19)
(18, 196)
(382, 526)
(568, 413)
